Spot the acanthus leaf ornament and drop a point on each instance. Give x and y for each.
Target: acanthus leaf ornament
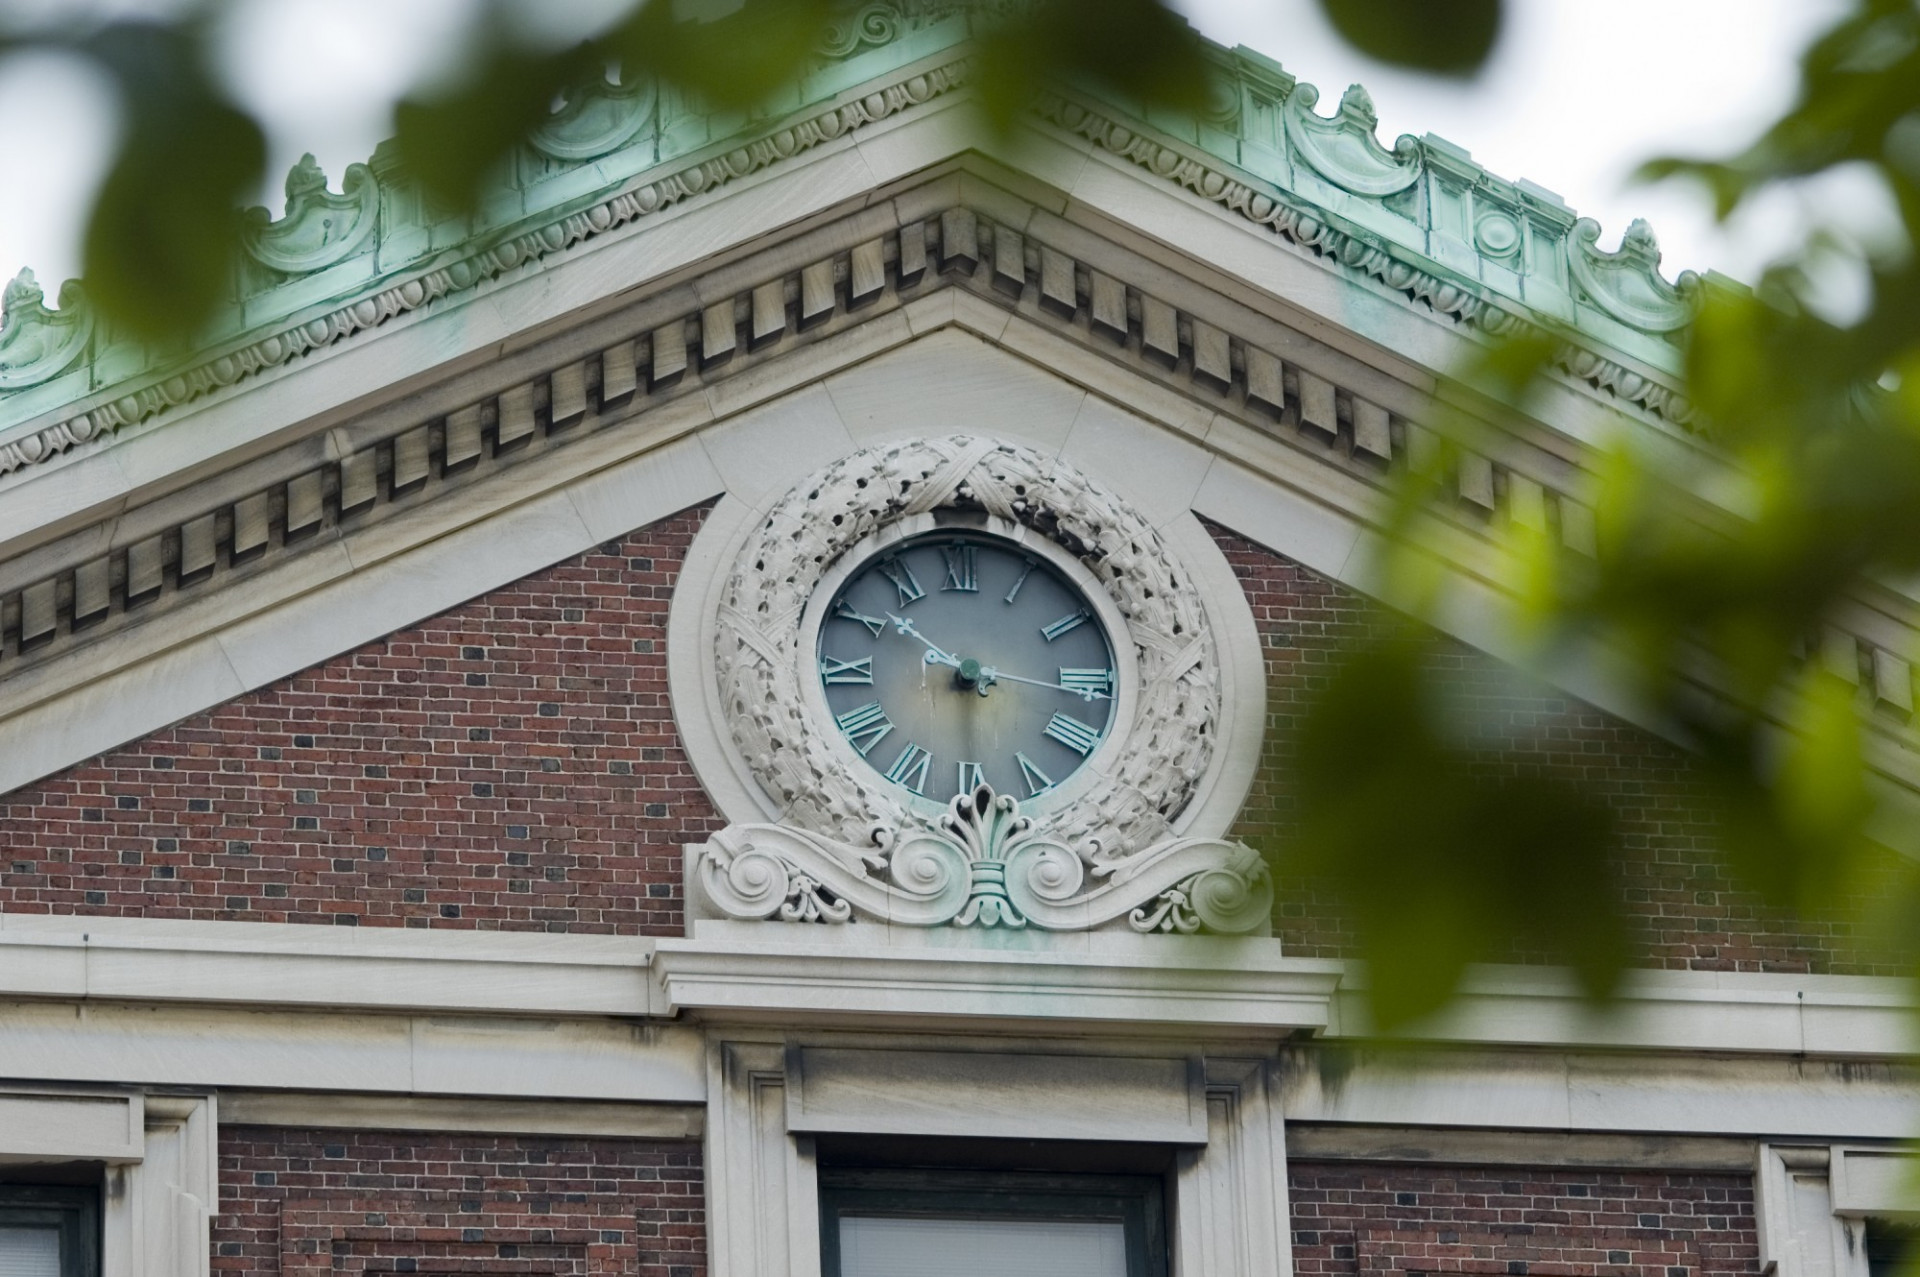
(984, 866)
(1344, 149)
(320, 227)
(38, 344)
(1627, 284)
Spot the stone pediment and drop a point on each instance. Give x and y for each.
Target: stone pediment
(155, 544)
(973, 287)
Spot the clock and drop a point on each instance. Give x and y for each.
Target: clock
(962, 682)
(960, 658)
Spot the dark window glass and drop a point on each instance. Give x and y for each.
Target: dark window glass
(907, 1223)
(49, 1231)
(1890, 1247)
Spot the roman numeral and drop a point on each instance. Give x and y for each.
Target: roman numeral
(972, 776)
(1024, 573)
(873, 623)
(910, 769)
(1071, 621)
(903, 579)
(865, 727)
(959, 568)
(1073, 733)
(834, 671)
(1088, 683)
(1036, 779)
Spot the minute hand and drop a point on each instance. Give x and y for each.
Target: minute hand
(1087, 694)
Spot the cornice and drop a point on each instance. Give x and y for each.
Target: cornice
(443, 275)
(739, 973)
(1418, 278)
(1420, 220)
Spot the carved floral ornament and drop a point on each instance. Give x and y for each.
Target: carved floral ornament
(849, 847)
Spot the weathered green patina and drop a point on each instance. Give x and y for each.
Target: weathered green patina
(1419, 219)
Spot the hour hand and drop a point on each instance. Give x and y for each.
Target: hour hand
(935, 655)
(1084, 693)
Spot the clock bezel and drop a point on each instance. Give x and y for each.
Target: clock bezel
(1098, 765)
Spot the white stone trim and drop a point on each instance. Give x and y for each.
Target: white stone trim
(1800, 1233)
(772, 1097)
(493, 1116)
(843, 974)
(159, 1212)
(162, 1177)
(1234, 1216)
(748, 971)
(261, 1047)
(1478, 1146)
(1758, 1097)
(763, 1212)
(367, 968)
(1877, 1180)
(1036, 1093)
(1813, 1200)
(1727, 1011)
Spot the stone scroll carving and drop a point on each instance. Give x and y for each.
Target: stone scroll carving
(37, 344)
(796, 760)
(1344, 150)
(1627, 284)
(983, 865)
(598, 116)
(320, 227)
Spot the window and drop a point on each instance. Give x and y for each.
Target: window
(916, 1223)
(49, 1232)
(1889, 1247)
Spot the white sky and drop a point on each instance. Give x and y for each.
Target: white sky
(1579, 92)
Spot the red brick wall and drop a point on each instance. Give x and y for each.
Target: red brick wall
(1385, 1220)
(510, 764)
(1686, 909)
(306, 1201)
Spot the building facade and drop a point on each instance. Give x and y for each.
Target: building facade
(709, 719)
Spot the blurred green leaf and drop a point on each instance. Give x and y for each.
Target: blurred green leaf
(453, 141)
(1442, 861)
(730, 62)
(160, 243)
(1451, 37)
(1139, 48)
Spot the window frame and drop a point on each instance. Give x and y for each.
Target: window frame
(73, 1208)
(1138, 1202)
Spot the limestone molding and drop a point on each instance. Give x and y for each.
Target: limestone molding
(162, 1168)
(772, 1098)
(1814, 1199)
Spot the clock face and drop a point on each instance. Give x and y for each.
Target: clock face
(961, 658)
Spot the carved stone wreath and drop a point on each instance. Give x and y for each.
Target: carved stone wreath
(845, 839)
(759, 639)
